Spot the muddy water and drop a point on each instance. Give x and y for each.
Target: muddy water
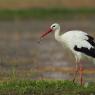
(22, 56)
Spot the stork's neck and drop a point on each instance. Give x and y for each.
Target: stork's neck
(57, 34)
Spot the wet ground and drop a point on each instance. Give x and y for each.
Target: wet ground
(23, 58)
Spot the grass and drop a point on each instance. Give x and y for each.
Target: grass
(44, 87)
(41, 13)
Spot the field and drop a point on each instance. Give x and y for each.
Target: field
(29, 68)
(45, 87)
(23, 60)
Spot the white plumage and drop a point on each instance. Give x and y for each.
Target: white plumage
(75, 38)
(79, 42)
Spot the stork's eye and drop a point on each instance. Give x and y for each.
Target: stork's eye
(53, 26)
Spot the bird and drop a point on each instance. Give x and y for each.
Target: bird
(78, 42)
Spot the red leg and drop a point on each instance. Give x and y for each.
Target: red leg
(81, 73)
(76, 71)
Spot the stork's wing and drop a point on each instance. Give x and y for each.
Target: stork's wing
(89, 52)
(87, 49)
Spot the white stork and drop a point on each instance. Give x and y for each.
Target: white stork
(79, 42)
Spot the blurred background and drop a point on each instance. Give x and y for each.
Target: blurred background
(21, 24)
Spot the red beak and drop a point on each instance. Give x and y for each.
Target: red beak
(43, 35)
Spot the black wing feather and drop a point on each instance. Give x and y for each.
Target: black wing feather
(91, 40)
(89, 52)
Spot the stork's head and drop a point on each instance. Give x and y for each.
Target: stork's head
(52, 28)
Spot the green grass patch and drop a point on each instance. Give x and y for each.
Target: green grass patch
(40, 13)
(44, 87)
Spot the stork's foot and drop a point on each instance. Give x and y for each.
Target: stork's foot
(75, 75)
(73, 80)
